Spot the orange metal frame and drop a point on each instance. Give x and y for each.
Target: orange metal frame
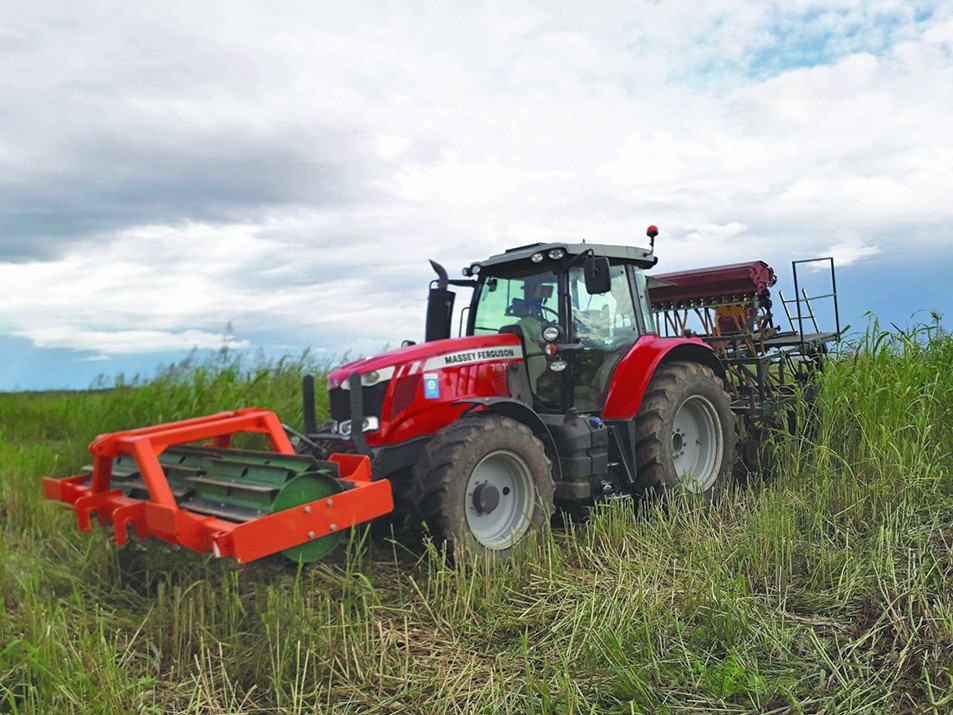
(161, 517)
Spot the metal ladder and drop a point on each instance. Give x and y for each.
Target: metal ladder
(803, 302)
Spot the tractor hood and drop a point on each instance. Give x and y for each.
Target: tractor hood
(429, 357)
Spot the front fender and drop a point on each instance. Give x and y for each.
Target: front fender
(517, 410)
(635, 370)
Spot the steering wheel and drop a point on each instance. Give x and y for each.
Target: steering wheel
(520, 308)
(547, 309)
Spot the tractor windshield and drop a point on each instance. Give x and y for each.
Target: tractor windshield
(522, 305)
(510, 301)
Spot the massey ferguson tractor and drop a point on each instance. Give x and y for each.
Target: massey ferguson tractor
(576, 378)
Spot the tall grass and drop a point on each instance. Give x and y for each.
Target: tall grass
(824, 589)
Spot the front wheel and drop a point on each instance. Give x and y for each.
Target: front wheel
(482, 485)
(685, 432)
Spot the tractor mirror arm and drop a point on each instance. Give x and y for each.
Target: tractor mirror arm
(579, 258)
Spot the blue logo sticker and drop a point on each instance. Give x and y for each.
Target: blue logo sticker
(431, 386)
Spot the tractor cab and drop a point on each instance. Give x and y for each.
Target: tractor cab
(577, 309)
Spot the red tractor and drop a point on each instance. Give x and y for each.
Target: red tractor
(559, 394)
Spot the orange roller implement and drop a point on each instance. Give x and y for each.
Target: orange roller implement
(159, 515)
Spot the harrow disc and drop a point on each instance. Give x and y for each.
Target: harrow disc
(301, 490)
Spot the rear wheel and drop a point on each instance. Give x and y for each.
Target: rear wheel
(685, 432)
(482, 485)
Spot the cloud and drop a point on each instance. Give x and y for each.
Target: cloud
(290, 169)
(846, 253)
(119, 342)
(160, 289)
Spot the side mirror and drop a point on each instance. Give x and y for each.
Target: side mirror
(598, 279)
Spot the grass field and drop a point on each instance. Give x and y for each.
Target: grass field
(827, 589)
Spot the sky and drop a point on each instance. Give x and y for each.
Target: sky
(275, 175)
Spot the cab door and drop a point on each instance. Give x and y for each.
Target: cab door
(604, 327)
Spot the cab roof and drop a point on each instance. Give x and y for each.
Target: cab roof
(641, 257)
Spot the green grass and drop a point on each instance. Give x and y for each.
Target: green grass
(828, 588)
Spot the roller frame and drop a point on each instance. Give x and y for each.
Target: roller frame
(161, 517)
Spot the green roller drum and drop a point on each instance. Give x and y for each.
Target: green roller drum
(301, 490)
(239, 485)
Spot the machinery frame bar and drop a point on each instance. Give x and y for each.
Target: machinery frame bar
(161, 517)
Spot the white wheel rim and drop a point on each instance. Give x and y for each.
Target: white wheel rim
(507, 476)
(697, 444)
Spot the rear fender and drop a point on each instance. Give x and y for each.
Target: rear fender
(521, 413)
(632, 376)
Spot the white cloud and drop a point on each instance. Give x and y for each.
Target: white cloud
(124, 342)
(846, 253)
(160, 289)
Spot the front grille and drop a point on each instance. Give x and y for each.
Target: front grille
(340, 401)
(373, 399)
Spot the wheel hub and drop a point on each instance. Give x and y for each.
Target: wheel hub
(697, 444)
(499, 500)
(486, 497)
(677, 443)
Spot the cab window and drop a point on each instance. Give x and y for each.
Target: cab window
(603, 319)
(645, 306)
(504, 301)
(606, 326)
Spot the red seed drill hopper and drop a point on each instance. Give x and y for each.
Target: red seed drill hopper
(730, 308)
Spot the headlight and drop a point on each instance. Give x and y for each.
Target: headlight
(369, 379)
(369, 424)
(550, 333)
(556, 253)
(536, 257)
